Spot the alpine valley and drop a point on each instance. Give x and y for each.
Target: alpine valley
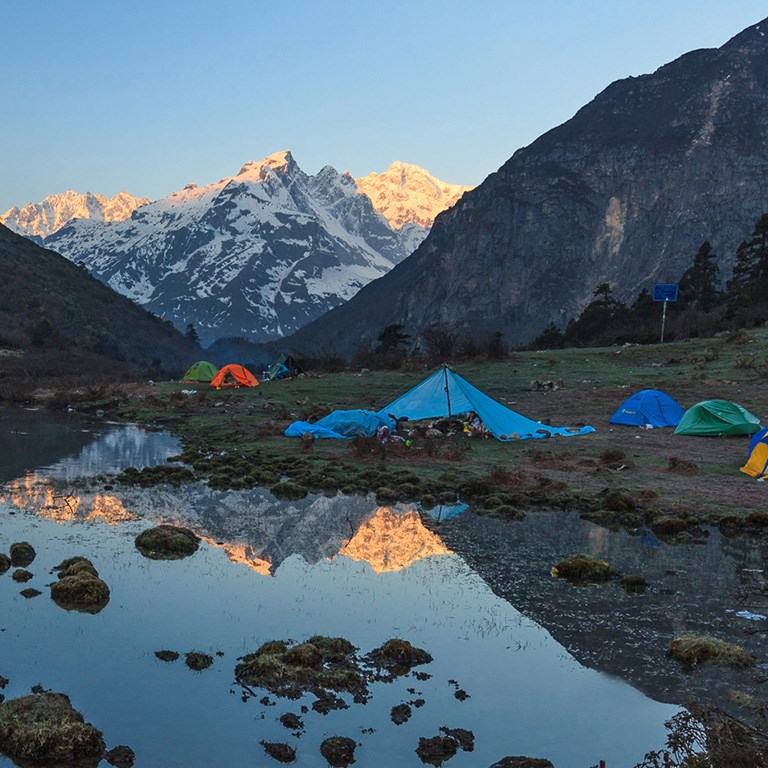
(254, 255)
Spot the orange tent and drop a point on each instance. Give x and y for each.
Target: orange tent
(234, 376)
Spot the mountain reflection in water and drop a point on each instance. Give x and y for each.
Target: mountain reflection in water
(339, 566)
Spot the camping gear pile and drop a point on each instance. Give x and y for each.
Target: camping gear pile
(444, 395)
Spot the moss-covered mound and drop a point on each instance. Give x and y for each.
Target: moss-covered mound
(288, 491)
(320, 665)
(339, 751)
(400, 713)
(44, 728)
(5, 562)
(398, 656)
(22, 554)
(166, 655)
(120, 757)
(167, 542)
(22, 575)
(585, 569)
(149, 477)
(693, 650)
(437, 750)
(277, 750)
(79, 587)
(634, 583)
(81, 592)
(291, 721)
(73, 565)
(198, 661)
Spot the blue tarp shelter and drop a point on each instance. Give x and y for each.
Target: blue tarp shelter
(341, 424)
(649, 408)
(445, 393)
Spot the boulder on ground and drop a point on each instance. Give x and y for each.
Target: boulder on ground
(167, 542)
(522, 762)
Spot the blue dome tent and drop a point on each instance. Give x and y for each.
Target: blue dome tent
(649, 408)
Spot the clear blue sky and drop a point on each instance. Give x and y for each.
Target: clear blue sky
(150, 95)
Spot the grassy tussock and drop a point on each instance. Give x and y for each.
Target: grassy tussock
(694, 650)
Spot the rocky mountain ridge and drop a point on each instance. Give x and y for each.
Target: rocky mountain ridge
(256, 254)
(39, 220)
(624, 192)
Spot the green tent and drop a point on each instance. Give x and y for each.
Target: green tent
(717, 417)
(200, 373)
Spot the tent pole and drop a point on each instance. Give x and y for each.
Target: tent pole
(447, 393)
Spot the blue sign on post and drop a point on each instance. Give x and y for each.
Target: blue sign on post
(665, 292)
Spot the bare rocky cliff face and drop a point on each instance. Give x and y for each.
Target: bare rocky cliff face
(624, 192)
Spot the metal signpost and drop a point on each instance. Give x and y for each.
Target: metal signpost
(664, 292)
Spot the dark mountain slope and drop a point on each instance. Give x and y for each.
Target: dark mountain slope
(624, 192)
(49, 304)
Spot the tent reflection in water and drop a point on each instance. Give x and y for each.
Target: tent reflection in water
(234, 376)
(446, 394)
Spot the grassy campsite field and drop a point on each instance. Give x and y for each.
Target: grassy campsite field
(618, 475)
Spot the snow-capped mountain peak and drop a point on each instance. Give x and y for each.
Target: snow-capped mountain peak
(38, 220)
(257, 254)
(407, 193)
(280, 162)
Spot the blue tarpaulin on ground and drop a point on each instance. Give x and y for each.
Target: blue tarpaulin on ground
(649, 408)
(341, 424)
(430, 400)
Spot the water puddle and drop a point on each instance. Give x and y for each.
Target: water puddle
(283, 570)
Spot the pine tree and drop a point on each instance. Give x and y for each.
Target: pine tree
(392, 339)
(191, 334)
(600, 320)
(750, 271)
(699, 284)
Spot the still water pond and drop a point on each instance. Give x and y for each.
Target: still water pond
(277, 570)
